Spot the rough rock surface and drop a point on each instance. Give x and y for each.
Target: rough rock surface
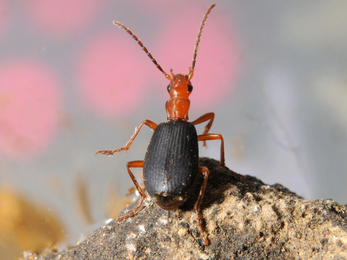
(243, 220)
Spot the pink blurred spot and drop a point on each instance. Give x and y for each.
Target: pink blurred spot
(3, 12)
(217, 60)
(63, 17)
(112, 72)
(29, 104)
(158, 6)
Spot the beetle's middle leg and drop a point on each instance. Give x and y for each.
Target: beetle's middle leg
(214, 136)
(204, 118)
(126, 147)
(134, 164)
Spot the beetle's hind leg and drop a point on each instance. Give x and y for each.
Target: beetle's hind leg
(126, 147)
(204, 171)
(134, 164)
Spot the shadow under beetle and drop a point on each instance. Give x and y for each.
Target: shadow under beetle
(172, 159)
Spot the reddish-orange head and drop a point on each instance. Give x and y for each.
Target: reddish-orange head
(177, 107)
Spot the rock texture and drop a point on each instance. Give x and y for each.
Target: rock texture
(243, 220)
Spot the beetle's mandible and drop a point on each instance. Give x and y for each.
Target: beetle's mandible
(172, 159)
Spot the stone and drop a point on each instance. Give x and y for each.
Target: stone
(242, 220)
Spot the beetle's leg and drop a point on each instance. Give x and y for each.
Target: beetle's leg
(134, 164)
(133, 189)
(126, 147)
(203, 118)
(214, 136)
(203, 170)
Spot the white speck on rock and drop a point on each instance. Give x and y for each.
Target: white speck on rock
(142, 228)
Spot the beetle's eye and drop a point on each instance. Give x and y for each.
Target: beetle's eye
(168, 88)
(190, 88)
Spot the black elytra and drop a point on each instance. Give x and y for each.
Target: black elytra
(171, 163)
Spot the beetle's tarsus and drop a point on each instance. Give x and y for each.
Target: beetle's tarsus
(238, 176)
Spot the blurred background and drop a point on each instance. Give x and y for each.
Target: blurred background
(72, 83)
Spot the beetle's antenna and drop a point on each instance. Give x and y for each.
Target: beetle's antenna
(191, 69)
(122, 26)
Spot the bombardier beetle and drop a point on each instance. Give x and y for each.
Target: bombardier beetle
(171, 163)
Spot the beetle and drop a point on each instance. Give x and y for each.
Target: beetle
(171, 163)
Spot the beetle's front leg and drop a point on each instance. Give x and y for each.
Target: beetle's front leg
(214, 136)
(126, 147)
(134, 164)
